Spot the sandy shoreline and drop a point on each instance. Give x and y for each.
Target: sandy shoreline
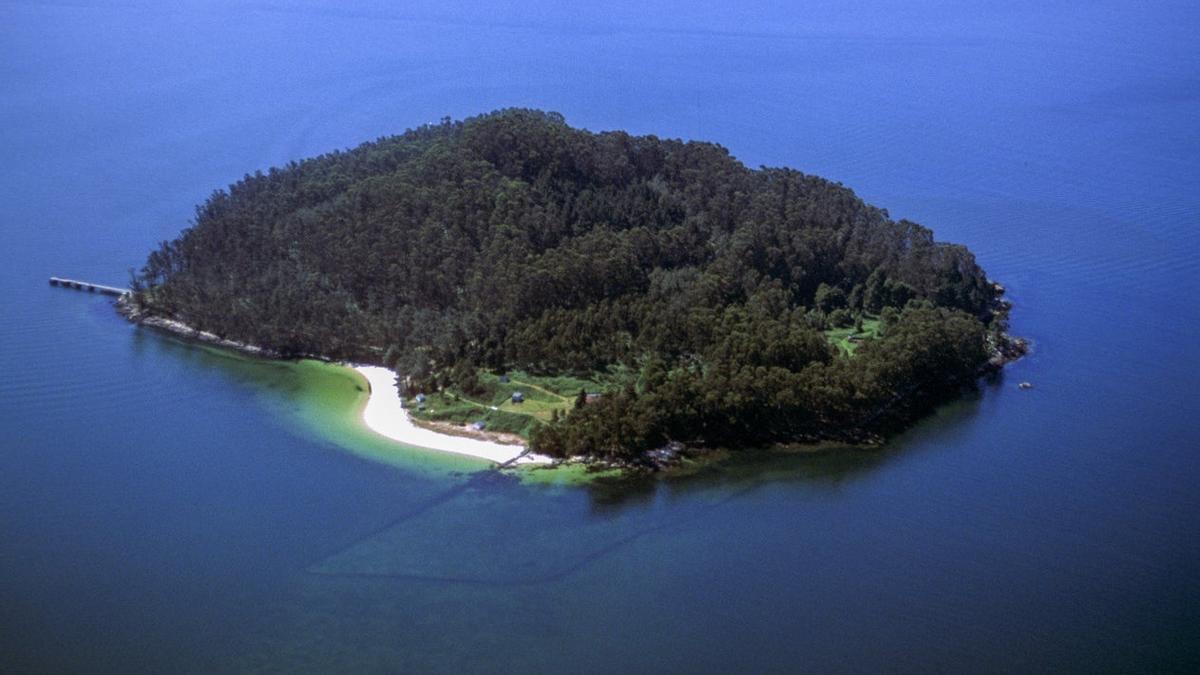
(385, 415)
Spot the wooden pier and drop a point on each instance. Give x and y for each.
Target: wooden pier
(88, 286)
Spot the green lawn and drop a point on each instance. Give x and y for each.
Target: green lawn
(545, 394)
(495, 408)
(839, 336)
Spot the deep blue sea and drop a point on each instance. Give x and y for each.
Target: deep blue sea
(162, 509)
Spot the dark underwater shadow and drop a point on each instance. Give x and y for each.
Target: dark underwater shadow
(493, 529)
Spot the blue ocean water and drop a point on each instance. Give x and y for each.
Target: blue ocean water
(158, 511)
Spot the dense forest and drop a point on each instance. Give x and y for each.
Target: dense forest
(514, 241)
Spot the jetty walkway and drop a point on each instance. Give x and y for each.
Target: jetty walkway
(88, 286)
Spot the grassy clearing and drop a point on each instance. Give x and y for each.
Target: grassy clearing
(840, 337)
(495, 407)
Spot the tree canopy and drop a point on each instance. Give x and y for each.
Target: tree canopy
(512, 240)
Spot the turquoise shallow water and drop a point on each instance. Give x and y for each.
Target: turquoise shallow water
(165, 507)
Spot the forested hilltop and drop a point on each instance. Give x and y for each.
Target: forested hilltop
(720, 305)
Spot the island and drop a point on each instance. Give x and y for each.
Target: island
(617, 298)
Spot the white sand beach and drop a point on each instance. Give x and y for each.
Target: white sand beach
(386, 416)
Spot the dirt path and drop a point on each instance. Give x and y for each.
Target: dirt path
(541, 389)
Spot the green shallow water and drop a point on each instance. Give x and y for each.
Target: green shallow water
(325, 401)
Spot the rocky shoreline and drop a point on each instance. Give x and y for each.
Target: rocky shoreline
(1004, 348)
(136, 315)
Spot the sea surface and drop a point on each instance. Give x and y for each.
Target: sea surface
(167, 507)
